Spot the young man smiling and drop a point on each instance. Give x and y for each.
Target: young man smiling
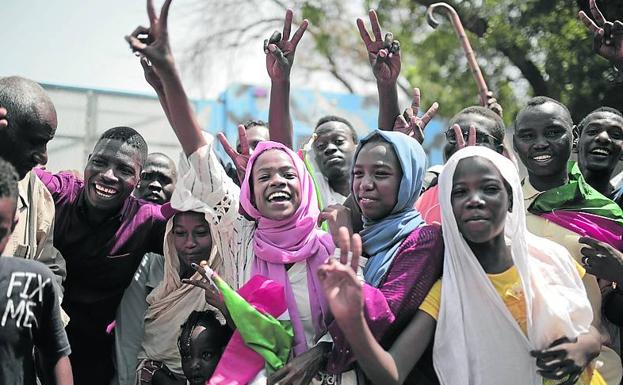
(556, 194)
(600, 147)
(103, 232)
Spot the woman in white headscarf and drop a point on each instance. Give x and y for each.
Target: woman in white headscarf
(512, 308)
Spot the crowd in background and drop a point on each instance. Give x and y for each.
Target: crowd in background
(346, 261)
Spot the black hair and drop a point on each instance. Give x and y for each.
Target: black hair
(254, 123)
(8, 180)
(333, 118)
(540, 100)
(129, 136)
(24, 100)
(588, 118)
(207, 319)
(499, 129)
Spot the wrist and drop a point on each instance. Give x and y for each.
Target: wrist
(387, 85)
(280, 82)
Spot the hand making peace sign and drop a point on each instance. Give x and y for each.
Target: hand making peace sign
(410, 123)
(608, 36)
(384, 54)
(153, 42)
(279, 49)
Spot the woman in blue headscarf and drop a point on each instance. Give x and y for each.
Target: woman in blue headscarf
(404, 253)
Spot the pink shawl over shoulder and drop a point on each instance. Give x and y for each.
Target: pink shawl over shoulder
(295, 239)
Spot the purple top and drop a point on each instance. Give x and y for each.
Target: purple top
(390, 307)
(102, 258)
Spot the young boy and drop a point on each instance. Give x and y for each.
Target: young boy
(29, 306)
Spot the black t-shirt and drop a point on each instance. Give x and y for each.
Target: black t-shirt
(29, 316)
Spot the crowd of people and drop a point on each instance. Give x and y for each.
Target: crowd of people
(336, 263)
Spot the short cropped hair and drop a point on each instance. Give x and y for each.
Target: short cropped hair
(129, 136)
(207, 319)
(499, 129)
(8, 180)
(588, 118)
(333, 118)
(254, 123)
(23, 99)
(540, 100)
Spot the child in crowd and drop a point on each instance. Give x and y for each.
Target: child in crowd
(504, 312)
(201, 344)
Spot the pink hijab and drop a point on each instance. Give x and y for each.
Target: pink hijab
(295, 239)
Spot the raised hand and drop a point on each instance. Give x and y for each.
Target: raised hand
(240, 159)
(607, 36)
(602, 260)
(343, 289)
(383, 53)
(493, 105)
(212, 295)
(410, 123)
(153, 42)
(280, 49)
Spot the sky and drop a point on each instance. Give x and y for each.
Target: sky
(80, 43)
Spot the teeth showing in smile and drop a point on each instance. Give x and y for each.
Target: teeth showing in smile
(600, 151)
(542, 158)
(104, 192)
(279, 196)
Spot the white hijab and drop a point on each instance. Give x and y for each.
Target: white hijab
(477, 341)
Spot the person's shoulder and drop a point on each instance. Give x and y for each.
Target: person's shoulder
(426, 233)
(13, 264)
(147, 209)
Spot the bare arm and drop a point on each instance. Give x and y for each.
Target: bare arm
(344, 293)
(62, 372)
(280, 51)
(384, 56)
(157, 50)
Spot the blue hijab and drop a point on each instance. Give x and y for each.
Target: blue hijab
(382, 238)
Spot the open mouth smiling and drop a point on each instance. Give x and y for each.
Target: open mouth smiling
(279, 196)
(104, 191)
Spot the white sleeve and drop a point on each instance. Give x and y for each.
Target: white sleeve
(203, 186)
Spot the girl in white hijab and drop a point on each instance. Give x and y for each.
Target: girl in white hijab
(512, 308)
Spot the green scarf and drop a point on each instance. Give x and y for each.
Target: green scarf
(576, 195)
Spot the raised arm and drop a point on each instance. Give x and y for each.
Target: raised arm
(607, 36)
(279, 50)
(156, 48)
(344, 293)
(384, 56)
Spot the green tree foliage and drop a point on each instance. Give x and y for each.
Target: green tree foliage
(525, 48)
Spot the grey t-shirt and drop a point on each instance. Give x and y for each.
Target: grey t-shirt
(29, 317)
(130, 318)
